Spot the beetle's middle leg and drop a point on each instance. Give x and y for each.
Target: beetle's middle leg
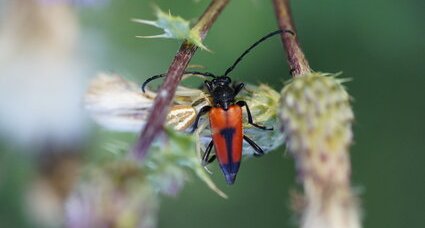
(206, 159)
(203, 111)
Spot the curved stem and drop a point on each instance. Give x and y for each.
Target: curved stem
(175, 72)
(296, 59)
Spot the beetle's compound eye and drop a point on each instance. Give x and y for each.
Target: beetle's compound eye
(227, 80)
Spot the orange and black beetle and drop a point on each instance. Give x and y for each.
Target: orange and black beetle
(225, 116)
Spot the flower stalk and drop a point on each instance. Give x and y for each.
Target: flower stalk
(296, 59)
(175, 72)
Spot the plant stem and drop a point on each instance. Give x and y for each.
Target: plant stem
(296, 59)
(175, 72)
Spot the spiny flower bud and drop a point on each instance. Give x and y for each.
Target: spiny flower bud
(174, 27)
(117, 194)
(263, 102)
(316, 114)
(316, 119)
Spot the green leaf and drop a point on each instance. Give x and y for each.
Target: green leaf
(184, 146)
(174, 27)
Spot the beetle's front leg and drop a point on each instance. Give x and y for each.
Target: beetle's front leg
(238, 88)
(250, 121)
(203, 111)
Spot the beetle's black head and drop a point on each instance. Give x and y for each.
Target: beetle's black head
(222, 91)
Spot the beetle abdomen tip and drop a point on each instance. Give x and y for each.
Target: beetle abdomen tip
(230, 170)
(230, 178)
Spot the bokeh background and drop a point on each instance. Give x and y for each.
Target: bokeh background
(379, 44)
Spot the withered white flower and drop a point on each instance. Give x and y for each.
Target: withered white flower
(120, 105)
(116, 104)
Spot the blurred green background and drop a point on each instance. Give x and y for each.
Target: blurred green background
(379, 44)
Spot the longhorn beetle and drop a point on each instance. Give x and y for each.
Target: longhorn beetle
(225, 116)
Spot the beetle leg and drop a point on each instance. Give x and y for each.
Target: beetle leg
(206, 157)
(243, 103)
(208, 84)
(256, 147)
(238, 88)
(203, 111)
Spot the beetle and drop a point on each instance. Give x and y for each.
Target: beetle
(225, 117)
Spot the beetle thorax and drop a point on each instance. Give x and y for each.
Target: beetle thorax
(222, 92)
(223, 96)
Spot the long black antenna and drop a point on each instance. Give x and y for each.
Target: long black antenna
(206, 74)
(254, 45)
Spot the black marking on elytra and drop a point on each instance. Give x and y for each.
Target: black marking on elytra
(228, 133)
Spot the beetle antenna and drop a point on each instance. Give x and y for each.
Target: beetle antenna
(151, 79)
(230, 69)
(206, 74)
(145, 83)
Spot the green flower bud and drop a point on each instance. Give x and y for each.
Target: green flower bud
(316, 114)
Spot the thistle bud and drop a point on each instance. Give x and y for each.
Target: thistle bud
(174, 27)
(316, 119)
